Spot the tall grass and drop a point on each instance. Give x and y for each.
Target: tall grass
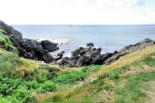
(5, 41)
(111, 87)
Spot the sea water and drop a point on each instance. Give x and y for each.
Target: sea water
(108, 37)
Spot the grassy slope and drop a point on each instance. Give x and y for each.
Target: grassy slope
(128, 80)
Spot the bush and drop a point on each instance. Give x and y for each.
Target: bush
(49, 86)
(89, 69)
(70, 77)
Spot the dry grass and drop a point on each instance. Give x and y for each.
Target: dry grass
(126, 60)
(77, 94)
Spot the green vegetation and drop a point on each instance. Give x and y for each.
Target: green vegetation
(72, 76)
(20, 78)
(120, 82)
(128, 80)
(6, 41)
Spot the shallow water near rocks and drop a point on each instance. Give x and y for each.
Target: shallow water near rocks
(108, 37)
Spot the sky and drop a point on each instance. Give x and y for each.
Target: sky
(77, 11)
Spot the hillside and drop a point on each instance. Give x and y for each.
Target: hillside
(129, 78)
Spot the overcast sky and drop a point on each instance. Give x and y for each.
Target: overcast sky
(77, 11)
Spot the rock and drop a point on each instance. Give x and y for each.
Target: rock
(92, 80)
(148, 40)
(59, 55)
(129, 49)
(42, 54)
(17, 36)
(50, 69)
(90, 44)
(49, 45)
(101, 58)
(64, 62)
(80, 57)
(14, 34)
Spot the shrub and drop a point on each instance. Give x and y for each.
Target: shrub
(49, 86)
(89, 69)
(70, 77)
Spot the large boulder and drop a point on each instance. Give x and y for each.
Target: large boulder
(49, 45)
(34, 50)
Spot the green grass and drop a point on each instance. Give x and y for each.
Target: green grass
(111, 86)
(20, 78)
(23, 82)
(5, 41)
(132, 91)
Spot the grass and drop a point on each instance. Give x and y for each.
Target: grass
(20, 78)
(116, 83)
(128, 80)
(5, 41)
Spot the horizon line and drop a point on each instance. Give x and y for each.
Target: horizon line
(85, 24)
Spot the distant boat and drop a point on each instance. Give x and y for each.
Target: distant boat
(70, 25)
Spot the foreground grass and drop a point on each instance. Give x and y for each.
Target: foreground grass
(125, 81)
(21, 79)
(128, 80)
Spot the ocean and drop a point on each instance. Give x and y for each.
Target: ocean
(108, 37)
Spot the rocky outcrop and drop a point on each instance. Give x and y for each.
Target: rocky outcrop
(14, 34)
(49, 45)
(29, 48)
(130, 49)
(89, 55)
(84, 56)
(92, 56)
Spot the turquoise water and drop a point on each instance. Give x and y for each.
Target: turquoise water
(108, 37)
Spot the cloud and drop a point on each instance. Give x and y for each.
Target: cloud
(76, 12)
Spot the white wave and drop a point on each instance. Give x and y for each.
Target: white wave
(58, 41)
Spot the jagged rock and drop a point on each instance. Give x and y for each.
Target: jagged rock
(90, 44)
(16, 36)
(101, 58)
(29, 48)
(80, 57)
(129, 49)
(58, 56)
(49, 45)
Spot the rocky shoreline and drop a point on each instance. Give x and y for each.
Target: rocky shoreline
(89, 55)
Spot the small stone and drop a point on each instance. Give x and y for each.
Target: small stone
(93, 80)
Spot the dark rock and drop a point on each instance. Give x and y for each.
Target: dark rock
(49, 45)
(101, 58)
(17, 36)
(42, 54)
(14, 34)
(80, 57)
(90, 44)
(50, 69)
(148, 40)
(129, 49)
(59, 55)
(64, 62)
